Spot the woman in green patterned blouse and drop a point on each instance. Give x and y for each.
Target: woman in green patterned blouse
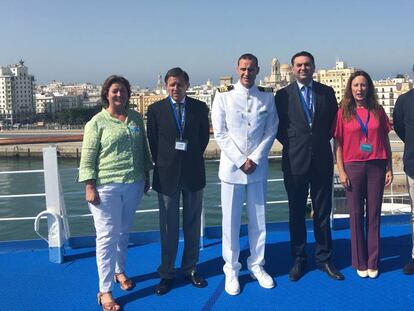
(114, 166)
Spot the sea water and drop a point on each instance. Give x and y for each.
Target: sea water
(16, 184)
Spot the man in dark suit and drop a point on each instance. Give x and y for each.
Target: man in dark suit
(403, 118)
(178, 134)
(306, 111)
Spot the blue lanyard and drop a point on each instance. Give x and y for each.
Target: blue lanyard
(180, 126)
(308, 109)
(364, 127)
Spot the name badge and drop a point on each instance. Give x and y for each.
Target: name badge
(181, 145)
(366, 148)
(134, 129)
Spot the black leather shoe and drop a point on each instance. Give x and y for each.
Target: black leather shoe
(297, 271)
(409, 267)
(195, 279)
(331, 271)
(163, 286)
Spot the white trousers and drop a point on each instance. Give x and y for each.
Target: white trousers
(113, 219)
(232, 200)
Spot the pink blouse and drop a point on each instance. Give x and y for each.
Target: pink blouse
(350, 135)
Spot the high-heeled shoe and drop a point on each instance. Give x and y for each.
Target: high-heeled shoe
(107, 302)
(125, 283)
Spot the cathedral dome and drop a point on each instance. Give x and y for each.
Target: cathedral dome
(284, 67)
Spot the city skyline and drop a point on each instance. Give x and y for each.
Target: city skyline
(75, 42)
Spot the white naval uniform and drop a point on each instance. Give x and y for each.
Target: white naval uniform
(245, 123)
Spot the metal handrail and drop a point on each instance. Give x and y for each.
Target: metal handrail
(147, 210)
(22, 172)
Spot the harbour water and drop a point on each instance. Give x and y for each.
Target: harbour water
(13, 184)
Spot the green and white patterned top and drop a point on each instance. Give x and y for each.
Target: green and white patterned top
(114, 151)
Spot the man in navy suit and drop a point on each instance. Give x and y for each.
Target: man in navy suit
(403, 118)
(306, 111)
(178, 134)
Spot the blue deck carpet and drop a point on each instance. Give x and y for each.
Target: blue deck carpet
(30, 282)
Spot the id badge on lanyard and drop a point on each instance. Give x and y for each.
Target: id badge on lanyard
(365, 146)
(180, 143)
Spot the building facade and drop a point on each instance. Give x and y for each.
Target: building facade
(280, 75)
(50, 104)
(141, 101)
(389, 90)
(335, 78)
(17, 103)
(226, 80)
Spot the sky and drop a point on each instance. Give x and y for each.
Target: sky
(87, 40)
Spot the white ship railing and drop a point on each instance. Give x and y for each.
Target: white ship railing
(55, 212)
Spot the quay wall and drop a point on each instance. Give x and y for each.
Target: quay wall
(73, 149)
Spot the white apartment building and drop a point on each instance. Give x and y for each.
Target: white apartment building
(335, 78)
(91, 100)
(204, 92)
(206, 97)
(389, 90)
(43, 101)
(69, 89)
(65, 102)
(52, 103)
(16, 94)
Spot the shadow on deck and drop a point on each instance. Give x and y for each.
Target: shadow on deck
(30, 282)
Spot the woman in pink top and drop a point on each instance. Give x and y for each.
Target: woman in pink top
(364, 161)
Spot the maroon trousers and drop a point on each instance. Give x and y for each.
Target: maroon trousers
(365, 197)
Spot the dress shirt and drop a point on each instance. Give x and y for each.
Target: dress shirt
(179, 108)
(303, 92)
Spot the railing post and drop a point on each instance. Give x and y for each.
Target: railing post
(58, 230)
(333, 201)
(392, 198)
(202, 223)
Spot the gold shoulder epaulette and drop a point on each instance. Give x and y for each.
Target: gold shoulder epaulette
(225, 88)
(265, 89)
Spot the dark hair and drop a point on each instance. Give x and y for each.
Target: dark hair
(107, 85)
(250, 57)
(303, 53)
(177, 72)
(348, 102)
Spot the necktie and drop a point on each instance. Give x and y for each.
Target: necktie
(307, 91)
(179, 107)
